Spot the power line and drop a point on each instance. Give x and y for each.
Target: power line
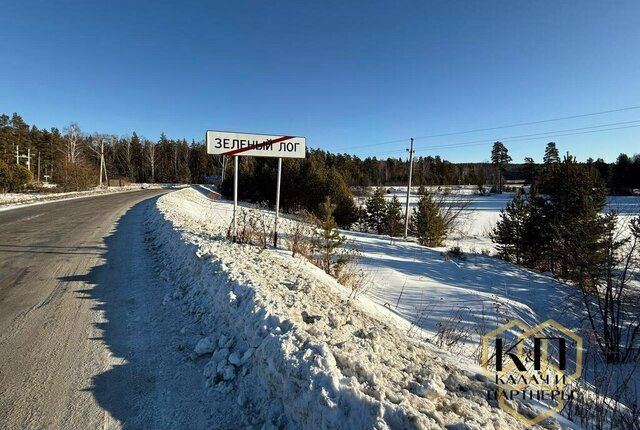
(531, 122)
(521, 139)
(520, 124)
(541, 134)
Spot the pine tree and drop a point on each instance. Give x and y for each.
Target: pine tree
(376, 208)
(509, 232)
(577, 199)
(336, 187)
(500, 158)
(530, 170)
(327, 240)
(551, 154)
(393, 217)
(537, 238)
(428, 223)
(550, 163)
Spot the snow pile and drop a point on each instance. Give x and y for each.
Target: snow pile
(283, 339)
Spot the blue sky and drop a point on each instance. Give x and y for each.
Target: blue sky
(348, 75)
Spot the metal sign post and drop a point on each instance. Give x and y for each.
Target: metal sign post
(275, 228)
(235, 198)
(257, 145)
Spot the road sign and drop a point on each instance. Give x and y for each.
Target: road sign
(255, 145)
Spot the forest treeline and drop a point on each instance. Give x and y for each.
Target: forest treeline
(70, 158)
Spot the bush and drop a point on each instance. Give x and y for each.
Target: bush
(253, 227)
(455, 252)
(300, 233)
(78, 177)
(13, 177)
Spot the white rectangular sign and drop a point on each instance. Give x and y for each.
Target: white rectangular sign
(255, 145)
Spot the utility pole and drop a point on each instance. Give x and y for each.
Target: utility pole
(406, 214)
(103, 164)
(101, 159)
(26, 157)
(38, 166)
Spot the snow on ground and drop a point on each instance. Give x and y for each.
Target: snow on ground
(426, 288)
(12, 200)
(285, 341)
(453, 299)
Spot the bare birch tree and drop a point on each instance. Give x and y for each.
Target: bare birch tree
(72, 143)
(152, 158)
(123, 155)
(99, 144)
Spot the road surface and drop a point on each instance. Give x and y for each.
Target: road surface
(85, 338)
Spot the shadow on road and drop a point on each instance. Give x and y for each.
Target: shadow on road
(149, 381)
(45, 249)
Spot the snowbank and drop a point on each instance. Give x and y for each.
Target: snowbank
(285, 341)
(12, 200)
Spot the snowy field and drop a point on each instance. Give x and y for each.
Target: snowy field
(482, 213)
(284, 338)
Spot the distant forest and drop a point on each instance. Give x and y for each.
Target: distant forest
(70, 158)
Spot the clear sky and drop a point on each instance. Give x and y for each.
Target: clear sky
(348, 75)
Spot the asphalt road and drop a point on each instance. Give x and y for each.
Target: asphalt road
(62, 265)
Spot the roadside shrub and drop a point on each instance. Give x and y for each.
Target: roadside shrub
(253, 227)
(452, 333)
(78, 177)
(13, 177)
(301, 232)
(243, 234)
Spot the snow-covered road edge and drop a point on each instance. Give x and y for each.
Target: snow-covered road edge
(284, 341)
(20, 200)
